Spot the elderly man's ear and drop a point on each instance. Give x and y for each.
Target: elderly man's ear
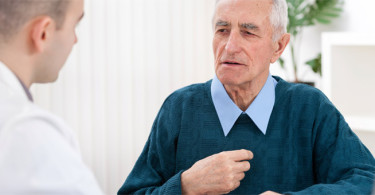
(280, 46)
(41, 31)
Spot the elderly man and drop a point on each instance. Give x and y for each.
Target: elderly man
(206, 136)
(39, 153)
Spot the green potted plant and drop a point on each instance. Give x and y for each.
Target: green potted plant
(304, 13)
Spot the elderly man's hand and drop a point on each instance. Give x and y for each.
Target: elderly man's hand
(217, 174)
(270, 193)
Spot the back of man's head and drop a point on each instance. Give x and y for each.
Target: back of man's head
(16, 13)
(37, 36)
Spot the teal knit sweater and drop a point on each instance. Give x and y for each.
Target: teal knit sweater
(308, 147)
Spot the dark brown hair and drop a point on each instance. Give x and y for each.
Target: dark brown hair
(15, 13)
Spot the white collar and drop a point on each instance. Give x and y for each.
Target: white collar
(10, 79)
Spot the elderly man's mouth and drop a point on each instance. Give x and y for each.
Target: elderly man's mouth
(231, 63)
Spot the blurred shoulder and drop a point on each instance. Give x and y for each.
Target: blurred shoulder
(191, 93)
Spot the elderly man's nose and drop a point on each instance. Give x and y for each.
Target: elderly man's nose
(233, 43)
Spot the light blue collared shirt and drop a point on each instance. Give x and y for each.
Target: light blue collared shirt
(259, 111)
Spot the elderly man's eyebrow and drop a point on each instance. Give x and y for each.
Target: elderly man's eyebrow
(250, 26)
(222, 23)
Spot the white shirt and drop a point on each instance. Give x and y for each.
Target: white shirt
(39, 153)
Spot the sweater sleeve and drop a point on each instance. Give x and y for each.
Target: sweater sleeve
(342, 164)
(154, 171)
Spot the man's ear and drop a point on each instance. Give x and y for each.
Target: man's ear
(42, 29)
(280, 46)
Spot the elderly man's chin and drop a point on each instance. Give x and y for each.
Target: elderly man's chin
(231, 78)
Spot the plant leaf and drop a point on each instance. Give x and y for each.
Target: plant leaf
(316, 64)
(323, 20)
(282, 62)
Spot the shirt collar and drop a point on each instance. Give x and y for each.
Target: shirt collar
(13, 81)
(259, 111)
(27, 91)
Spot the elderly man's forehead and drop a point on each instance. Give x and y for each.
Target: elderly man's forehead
(243, 6)
(243, 10)
(217, 1)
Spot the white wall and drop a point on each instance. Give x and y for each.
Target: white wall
(130, 56)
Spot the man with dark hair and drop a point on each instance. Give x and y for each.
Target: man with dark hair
(39, 153)
(15, 13)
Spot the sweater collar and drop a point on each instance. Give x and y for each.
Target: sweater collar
(259, 111)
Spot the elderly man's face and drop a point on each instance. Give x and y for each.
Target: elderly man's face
(243, 45)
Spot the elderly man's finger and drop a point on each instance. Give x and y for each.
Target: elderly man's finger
(240, 155)
(240, 176)
(242, 166)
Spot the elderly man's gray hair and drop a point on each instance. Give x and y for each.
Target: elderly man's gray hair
(278, 18)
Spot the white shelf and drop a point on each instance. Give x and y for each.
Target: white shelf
(332, 39)
(348, 68)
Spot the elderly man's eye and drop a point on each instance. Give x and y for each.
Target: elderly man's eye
(222, 30)
(248, 33)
